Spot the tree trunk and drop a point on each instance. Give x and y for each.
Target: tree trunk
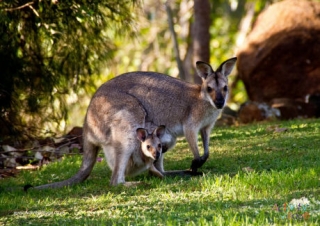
(201, 34)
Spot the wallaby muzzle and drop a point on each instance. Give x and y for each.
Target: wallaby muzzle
(219, 103)
(158, 154)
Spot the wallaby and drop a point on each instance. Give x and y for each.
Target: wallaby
(126, 102)
(150, 151)
(139, 160)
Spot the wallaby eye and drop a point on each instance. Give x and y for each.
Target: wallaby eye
(225, 88)
(209, 89)
(159, 146)
(148, 147)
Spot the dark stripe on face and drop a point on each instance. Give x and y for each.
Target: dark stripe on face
(216, 78)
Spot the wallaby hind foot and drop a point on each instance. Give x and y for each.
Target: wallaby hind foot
(197, 163)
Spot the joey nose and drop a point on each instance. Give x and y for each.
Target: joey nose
(157, 155)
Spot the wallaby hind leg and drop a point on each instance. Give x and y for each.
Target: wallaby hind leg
(121, 160)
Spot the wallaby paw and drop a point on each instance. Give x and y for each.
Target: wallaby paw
(197, 163)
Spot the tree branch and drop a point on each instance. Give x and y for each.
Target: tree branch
(19, 7)
(35, 11)
(175, 41)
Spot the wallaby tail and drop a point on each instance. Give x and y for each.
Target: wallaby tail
(90, 153)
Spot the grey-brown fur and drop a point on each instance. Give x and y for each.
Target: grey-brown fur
(150, 149)
(125, 103)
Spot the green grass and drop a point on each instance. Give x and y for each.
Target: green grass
(250, 174)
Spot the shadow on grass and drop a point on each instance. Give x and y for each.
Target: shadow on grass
(230, 151)
(273, 153)
(178, 211)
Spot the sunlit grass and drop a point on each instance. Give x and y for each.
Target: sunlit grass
(251, 170)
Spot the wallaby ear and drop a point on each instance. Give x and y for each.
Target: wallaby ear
(142, 134)
(203, 69)
(226, 67)
(159, 132)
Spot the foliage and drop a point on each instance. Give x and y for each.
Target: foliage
(256, 175)
(153, 49)
(54, 50)
(49, 49)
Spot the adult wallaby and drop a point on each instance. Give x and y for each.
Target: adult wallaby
(141, 159)
(126, 102)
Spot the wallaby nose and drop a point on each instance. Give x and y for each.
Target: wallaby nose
(219, 103)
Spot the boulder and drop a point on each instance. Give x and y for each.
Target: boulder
(297, 108)
(281, 56)
(252, 111)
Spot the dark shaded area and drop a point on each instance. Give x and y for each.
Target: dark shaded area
(287, 65)
(280, 62)
(47, 50)
(33, 154)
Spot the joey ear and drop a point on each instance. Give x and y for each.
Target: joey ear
(159, 132)
(203, 69)
(226, 67)
(142, 134)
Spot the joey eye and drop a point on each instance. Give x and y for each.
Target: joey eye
(225, 88)
(209, 89)
(148, 147)
(159, 146)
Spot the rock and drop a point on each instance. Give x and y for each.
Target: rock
(39, 151)
(38, 155)
(295, 108)
(228, 117)
(254, 112)
(315, 100)
(76, 134)
(72, 139)
(281, 57)
(62, 151)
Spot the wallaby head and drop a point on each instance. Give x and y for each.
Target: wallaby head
(151, 143)
(215, 83)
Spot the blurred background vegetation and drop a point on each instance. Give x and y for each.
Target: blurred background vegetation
(54, 54)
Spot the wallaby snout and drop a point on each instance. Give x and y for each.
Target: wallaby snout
(219, 101)
(219, 104)
(155, 153)
(152, 150)
(158, 154)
